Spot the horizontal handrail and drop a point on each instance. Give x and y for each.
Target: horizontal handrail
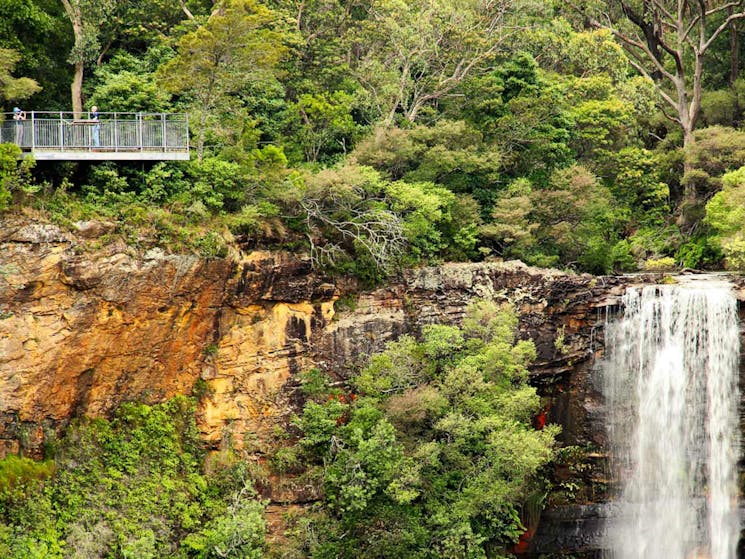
(55, 115)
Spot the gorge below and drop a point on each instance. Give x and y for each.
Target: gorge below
(85, 328)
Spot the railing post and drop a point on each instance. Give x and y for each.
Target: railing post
(61, 132)
(187, 131)
(116, 133)
(33, 131)
(139, 131)
(163, 120)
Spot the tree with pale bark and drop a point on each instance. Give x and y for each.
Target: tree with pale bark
(87, 18)
(99, 25)
(667, 41)
(415, 53)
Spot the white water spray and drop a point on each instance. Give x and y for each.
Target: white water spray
(670, 381)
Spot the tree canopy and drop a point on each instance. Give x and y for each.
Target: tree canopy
(433, 454)
(504, 111)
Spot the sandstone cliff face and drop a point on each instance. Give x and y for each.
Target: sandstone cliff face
(84, 329)
(273, 309)
(562, 313)
(81, 333)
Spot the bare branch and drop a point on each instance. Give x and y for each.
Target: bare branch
(185, 9)
(378, 232)
(104, 50)
(723, 7)
(669, 100)
(687, 32)
(653, 37)
(628, 42)
(720, 29)
(662, 9)
(668, 116)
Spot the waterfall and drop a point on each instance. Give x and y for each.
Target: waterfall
(670, 381)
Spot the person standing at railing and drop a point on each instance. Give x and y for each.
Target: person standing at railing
(96, 127)
(19, 116)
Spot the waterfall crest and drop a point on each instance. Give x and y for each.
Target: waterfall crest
(670, 381)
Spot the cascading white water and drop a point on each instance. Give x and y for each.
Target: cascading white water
(670, 380)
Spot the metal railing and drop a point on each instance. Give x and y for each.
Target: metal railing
(112, 132)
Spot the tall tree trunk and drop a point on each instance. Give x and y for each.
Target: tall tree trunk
(77, 90)
(688, 141)
(689, 109)
(75, 15)
(688, 216)
(734, 47)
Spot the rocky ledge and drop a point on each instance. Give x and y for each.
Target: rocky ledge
(84, 328)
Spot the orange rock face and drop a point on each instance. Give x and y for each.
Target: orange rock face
(81, 332)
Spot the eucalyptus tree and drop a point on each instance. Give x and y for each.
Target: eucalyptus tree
(667, 41)
(415, 53)
(241, 41)
(87, 18)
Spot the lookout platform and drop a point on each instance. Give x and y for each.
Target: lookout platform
(62, 136)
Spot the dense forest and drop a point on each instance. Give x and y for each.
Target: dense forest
(597, 136)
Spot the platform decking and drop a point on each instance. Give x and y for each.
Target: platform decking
(60, 136)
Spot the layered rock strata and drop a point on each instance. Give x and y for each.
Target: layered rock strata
(83, 329)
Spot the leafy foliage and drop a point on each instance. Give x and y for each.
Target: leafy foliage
(238, 43)
(132, 487)
(14, 88)
(15, 174)
(725, 213)
(477, 134)
(435, 455)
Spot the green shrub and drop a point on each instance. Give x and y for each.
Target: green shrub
(211, 245)
(717, 149)
(19, 477)
(702, 251)
(725, 214)
(664, 264)
(436, 454)
(15, 173)
(734, 251)
(719, 107)
(131, 487)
